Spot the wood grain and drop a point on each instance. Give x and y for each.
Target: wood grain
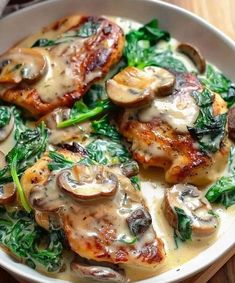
(220, 13)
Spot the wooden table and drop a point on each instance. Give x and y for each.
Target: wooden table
(221, 14)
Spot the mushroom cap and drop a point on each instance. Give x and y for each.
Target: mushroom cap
(7, 193)
(133, 87)
(97, 273)
(194, 54)
(21, 64)
(164, 82)
(88, 182)
(195, 206)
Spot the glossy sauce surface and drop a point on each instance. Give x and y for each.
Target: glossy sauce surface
(152, 180)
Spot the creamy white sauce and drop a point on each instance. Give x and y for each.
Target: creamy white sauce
(58, 79)
(179, 111)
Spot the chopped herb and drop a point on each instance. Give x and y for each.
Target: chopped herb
(208, 129)
(184, 228)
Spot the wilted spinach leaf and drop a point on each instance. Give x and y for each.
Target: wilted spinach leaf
(208, 129)
(217, 82)
(223, 191)
(80, 112)
(140, 50)
(136, 182)
(107, 152)
(5, 115)
(26, 240)
(184, 229)
(29, 147)
(103, 127)
(95, 93)
(58, 161)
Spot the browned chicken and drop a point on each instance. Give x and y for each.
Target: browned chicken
(66, 59)
(159, 136)
(104, 217)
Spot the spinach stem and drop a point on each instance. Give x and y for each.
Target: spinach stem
(16, 180)
(82, 117)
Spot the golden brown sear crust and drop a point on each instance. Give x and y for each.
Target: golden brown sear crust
(92, 229)
(88, 62)
(156, 143)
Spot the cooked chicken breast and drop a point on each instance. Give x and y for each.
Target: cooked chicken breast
(104, 217)
(66, 58)
(159, 136)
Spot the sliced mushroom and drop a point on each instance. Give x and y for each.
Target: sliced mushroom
(88, 182)
(231, 123)
(133, 87)
(75, 147)
(7, 193)
(129, 169)
(21, 64)
(5, 131)
(164, 80)
(194, 54)
(97, 273)
(42, 201)
(195, 206)
(139, 221)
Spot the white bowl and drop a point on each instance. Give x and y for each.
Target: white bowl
(182, 25)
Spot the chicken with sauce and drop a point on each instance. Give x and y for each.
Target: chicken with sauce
(58, 70)
(60, 170)
(103, 216)
(158, 131)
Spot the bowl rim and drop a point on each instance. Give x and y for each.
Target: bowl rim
(220, 250)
